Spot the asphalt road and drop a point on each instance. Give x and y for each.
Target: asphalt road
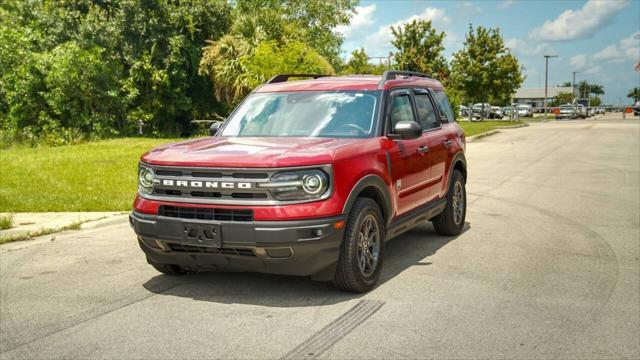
(548, 267)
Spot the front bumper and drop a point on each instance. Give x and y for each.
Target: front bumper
(300, 247)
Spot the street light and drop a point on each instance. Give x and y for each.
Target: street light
(573, 84)
(546, 78)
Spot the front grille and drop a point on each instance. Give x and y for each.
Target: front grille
(210, 250)
(206, 213)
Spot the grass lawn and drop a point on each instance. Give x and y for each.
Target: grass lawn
(96, 176)
(478, 127)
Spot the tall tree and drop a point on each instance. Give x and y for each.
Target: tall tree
(562, 98)
(484, 70)
(309, 21)
(585, 89)
(419, 48)
(359, 63)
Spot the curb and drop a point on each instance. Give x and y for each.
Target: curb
(494, 131)
(51, 232)
(512, 126)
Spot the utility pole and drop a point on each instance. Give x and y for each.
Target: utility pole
(573, 84)
(546, 79)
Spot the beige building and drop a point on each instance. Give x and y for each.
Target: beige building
(535, 96)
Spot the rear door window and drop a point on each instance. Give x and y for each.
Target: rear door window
(426, 113)
(446, 113)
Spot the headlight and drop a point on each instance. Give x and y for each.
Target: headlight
(145, 179)
(298, 185)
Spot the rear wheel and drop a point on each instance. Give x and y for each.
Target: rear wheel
(362, 249)
(451, 221)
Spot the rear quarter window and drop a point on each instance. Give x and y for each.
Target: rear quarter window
(443, 106)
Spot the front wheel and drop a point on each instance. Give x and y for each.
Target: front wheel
(451, 221)
(362, 249)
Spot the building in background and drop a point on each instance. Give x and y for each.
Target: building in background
(535, 96)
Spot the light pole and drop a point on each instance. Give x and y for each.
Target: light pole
(546, 79)
(573, 84)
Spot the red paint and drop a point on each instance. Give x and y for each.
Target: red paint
(423, 176)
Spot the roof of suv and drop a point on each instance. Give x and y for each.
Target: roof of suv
(351, 82)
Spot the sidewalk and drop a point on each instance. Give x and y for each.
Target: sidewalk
(28, 225)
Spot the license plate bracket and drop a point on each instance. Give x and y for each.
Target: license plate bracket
(201, 234)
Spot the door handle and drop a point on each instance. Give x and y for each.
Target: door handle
(448, 143)
(423, 149)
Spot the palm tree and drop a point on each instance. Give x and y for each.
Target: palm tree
(224, 61)
(634, 94)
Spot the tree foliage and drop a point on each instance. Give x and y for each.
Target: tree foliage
(562, 98)
(268, 37)
(485, 70)
(419, 48)
(95, 68)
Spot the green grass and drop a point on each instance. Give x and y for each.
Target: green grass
(95, 176)
(6, 222)
(479, 127)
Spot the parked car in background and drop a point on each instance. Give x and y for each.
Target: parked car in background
(571, 111)
(599, 110)
(506, 111)
(525, 110)
(497, 111)
(484, 111)
(463, 111)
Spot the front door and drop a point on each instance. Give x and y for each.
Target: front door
(435, 138)
(410, 165)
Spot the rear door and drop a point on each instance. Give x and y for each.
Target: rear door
(409, 163)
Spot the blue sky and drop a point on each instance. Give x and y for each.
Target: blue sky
(600, 39)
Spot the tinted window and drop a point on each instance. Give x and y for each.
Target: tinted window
(426, 113)
(401, 109)
(444, 106)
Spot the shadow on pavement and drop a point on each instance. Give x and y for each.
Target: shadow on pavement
(402, 252)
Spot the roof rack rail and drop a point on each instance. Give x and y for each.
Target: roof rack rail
(392, 74)
(284, 77)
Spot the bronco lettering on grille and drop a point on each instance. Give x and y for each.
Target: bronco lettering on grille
(207, 184)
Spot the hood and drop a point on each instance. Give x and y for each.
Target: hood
(247, 152)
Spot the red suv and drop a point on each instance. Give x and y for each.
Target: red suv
(307, 177)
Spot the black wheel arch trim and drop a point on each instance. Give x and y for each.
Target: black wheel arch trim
(377, 183)
(457, 158)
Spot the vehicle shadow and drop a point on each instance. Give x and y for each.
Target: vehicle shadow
(409, 249)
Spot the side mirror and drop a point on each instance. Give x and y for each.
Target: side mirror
(213, 130)
(407, 130)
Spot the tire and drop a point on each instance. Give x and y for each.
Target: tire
(450, 222)
(168, 269)
(357, 271)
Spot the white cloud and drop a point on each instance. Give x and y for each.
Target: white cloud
(468, 10)
(593, 70)
(579, 24)
(579, 62)
(526, 47)
(505, 4)
(608, 53)
(361, 20)
(627, 49)
(379, 43)
(631, 46)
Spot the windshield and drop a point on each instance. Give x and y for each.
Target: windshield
(305, 114)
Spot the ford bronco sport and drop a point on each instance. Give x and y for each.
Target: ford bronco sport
(308, 178)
